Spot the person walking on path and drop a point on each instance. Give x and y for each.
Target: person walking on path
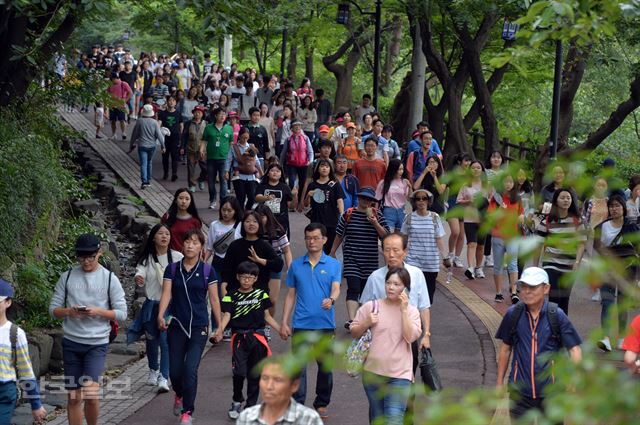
(313, 283)
(154, 258)
(387, 371)
(349, 183)
(370, 170)
(181, 217)
(360, 228)
(172, 120)
(244, 169)
(121, 93)
(194, 149)
(87, 297)
(275, 194)
(186, 286)
(532, 329)
(246, 311)
(296, 155)
(215, 145)
(15, 364)
(277, 386)
(394, 192)
(146, 135)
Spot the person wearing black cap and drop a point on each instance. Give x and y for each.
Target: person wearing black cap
(87, 298)
(13, 336)
(359, 228)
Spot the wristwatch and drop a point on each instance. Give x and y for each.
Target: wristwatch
(427, 333)
(332, 301)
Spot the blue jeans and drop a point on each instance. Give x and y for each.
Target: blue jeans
(184, 360)
(612, 301)
(216, 167)
(499, 250)
(324, 379)
(145, 155)
(8, 396)
(394, 217)
(387, 398)
(152, 353)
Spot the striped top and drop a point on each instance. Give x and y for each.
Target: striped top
(23, 364)
(360, 246)
(562, 239)
(279, 243)
(423, 230)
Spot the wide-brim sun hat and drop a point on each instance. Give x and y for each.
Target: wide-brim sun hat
(147, 111)
(367, 192)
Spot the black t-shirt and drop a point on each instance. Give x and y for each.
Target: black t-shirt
(326, 212)
(129, 78)
(171, 120)
(246, 308)
(259, 138)
(282, 194)
(238, 252)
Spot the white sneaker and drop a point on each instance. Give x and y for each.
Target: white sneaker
(153, 377)
(163, 385)
(469, 273)
(213, 205)
(457, 262)
(596, 296)
(604, 344)
(479, 274)
(488, 260)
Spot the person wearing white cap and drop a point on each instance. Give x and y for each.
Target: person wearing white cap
(533, 329)
(146, 134)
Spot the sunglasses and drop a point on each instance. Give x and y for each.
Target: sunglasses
(421, 198)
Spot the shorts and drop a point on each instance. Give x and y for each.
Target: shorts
(472, 231)
(82, 362)
(116, 114)
(276, 275)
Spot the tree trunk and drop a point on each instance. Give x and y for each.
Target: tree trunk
(308, 63)
(392, 52)
(456, 135)
(417, 87)
(572, 74)
(400, 111)
(293, 61)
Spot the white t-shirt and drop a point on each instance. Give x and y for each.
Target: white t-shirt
(609, 232)
(217, 229)
(184, 74)
(153, 273)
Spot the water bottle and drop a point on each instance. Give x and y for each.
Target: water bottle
(449, 275)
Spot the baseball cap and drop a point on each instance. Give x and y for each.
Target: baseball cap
(6, 290)
(87, 243)
(350, 125)
(323, 129)
(534, 276)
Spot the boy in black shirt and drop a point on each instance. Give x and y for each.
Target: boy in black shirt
(246, 310)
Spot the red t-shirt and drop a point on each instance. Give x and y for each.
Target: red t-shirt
(369, 173)
(179, 229)
(632, 340)
(120, 91)
(506, 226)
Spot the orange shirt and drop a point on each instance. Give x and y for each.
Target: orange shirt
(349, 148)
(369, 173)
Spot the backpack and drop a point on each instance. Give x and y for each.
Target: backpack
(552, 317)
(206, 269)
(247, 160)
(297, 155)
(115, 326)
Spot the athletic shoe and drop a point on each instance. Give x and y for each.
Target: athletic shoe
(323, 412)
(192, 189)
(457, 262)
(347, 324)
(499, 298)
(605, 344)
(488, 260)
(153, 377)
(479, 273)
(174, 178)
(201, 186)
(469, 273)
(185, 419)
(267, 332)
(226, 335)
(596, 296)
(163, 385)
(234, 410)
(213, 205)
(98, 136)
(177, 406)
(515, 299)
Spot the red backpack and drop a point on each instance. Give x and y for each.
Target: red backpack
(297, 151)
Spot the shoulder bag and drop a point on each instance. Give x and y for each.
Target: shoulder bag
(358, 351)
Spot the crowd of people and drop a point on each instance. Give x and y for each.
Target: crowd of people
(263, 151)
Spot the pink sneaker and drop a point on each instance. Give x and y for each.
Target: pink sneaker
(177, 406)
(185, 419)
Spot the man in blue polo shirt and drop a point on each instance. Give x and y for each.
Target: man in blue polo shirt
(534, 324)
(314, 286)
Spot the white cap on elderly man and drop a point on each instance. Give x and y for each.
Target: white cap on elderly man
(534, 276)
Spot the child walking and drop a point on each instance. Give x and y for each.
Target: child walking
(246, 310)
(99, 119)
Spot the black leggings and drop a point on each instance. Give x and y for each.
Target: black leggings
(331, 235)
(172, 151)
(430, 277)
(560, 288)
(245, 192)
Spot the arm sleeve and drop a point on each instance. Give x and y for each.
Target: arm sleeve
(423, 294)
(118, 301)
(283, 154)
(436, 147)
(409, 165)
(228, 266)
(309, 151)
(340, 229)
(141, 270)
(504, 331)
(57, 300)
(367, 292)
(416, 324)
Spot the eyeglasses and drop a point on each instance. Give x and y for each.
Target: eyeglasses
(89, 258)
(313, 238)
(421, 198)
(246, 277)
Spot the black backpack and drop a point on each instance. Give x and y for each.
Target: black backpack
(552, 317)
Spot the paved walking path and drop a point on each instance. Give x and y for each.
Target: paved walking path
(464, 320)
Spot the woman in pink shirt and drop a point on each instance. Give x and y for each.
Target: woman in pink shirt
(394, 192)
(388, 369)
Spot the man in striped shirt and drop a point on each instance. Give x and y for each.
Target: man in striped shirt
(360, 228)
